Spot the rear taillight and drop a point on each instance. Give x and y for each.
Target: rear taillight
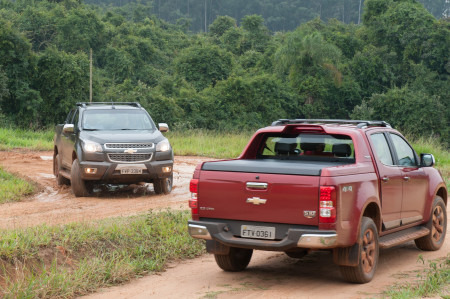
(193, 202)
(327, 204)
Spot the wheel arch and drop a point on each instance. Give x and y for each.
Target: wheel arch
(442, 192)
(372, 211)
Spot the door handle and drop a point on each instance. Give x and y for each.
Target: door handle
(385, 179)
(406, 178)
(256, 185)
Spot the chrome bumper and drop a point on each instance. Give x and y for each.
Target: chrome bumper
(295, 238)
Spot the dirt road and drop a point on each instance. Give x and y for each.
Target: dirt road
(54, 205)
(269, 275)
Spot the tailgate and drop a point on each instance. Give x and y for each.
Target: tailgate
(241, 196)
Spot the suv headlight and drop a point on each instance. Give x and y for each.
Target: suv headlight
(92, 147)
(163, 146)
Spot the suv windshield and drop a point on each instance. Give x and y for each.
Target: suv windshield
(116, 119)
(307, 147)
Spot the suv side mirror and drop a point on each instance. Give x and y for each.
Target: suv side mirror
(163, 127)
(427, 160)
(68, 128)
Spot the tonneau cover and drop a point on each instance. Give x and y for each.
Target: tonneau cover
(274, 166)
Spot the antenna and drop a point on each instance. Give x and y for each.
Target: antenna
(90, 77)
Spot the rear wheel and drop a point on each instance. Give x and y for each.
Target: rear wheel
(437, 226)
(163, 186)
(368, 254)
(79, 186)
(236, 260)
(60, 180)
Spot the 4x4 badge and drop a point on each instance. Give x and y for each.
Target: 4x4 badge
(256, 200)
(130, 151)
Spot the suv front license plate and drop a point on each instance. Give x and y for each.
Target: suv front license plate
(130, 171)
(258, 232)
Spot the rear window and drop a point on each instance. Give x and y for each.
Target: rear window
(318, 147)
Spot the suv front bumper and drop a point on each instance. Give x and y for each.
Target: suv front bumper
(109, 172)
(295, 237)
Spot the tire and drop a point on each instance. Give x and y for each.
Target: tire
(60, 180)
(368, 254)
(163, 186)
(79, 186)
(437, 226)
(236, 260)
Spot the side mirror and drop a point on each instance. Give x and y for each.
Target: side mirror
(163, 127)
(427, 160)
(68, 128)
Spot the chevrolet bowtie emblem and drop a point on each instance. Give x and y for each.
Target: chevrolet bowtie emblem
(129, 151)
(256, 201)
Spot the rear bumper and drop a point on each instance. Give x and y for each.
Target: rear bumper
(294, 237)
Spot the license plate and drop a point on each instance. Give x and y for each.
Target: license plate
(258, 232)
(131, 171)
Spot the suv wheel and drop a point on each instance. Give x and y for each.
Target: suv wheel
(79, 186)
(368, 254)
(437, 226)
(236, 260)
(163, 186)
(60, 180)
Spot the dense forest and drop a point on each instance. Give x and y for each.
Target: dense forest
(240, 74)
(279, 15)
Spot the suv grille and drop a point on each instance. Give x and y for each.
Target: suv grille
(128, 145)
(130, 158)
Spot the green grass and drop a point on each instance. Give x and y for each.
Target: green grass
(208, 143)
(440, 153)
(34, 140)
(434, 280)
(13, 188)
(72, 260)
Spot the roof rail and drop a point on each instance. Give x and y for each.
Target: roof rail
(359, 123)
(85, 104)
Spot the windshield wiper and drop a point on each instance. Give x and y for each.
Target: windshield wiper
(90, 129)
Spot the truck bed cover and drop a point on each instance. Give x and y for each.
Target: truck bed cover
(274, 166)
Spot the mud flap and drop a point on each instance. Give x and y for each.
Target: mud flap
(347, 256)
(215, 247)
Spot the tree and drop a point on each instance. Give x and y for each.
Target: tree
(250, 102)
(63, 81)
(80, 30)
(18, 63)
(414, 112)
(257, 33)
(220, 25)
(203, 65)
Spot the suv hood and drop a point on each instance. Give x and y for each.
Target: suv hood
(128, 136)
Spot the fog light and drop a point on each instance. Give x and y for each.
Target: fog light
(166, 169)
(90, 170)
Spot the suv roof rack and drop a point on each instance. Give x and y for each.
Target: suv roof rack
(359, 123)
(85, 104)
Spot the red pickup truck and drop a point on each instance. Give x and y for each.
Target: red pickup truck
(350, 187)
